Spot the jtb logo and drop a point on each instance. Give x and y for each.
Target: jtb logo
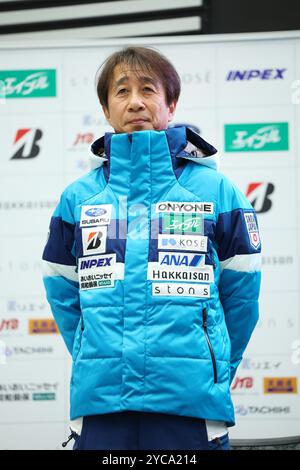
(258, 195)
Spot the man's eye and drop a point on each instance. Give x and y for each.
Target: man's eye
(148, 88)
(122, 91)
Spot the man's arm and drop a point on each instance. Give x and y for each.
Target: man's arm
(60, 273)
(239, 252)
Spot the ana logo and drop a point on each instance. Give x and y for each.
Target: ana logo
(29, 83)
(280, 385)
(260, 137)
(25, 143)
(265, 74)
(182, 223)
(184, 259)
(95, 212)
(258, 195)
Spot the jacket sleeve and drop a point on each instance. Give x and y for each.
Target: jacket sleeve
(239, 252)
(60, 272)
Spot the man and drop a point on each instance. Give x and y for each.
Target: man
(152, 270)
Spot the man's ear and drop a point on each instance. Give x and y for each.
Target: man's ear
(172, 109)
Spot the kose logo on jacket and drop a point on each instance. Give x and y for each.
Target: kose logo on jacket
(183, 242)
(189, 207)
(94, 241)
(280, 385)
(258, 195)
(29, 83)
(25, 143)
(256, 74)
(182, 223)
(180, 259)
(42, 326)
(95, 215)
(261, 137)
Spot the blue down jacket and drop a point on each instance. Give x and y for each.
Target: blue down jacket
(152, 271)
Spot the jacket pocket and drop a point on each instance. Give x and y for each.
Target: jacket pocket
(211, 351)
(79, 339)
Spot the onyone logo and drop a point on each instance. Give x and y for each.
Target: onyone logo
(256, 74)
(29, 83)
(95, 212)
(25, 143)
(261, 137)
(258, 195)
(189, 207)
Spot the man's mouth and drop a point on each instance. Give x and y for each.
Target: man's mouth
(138, 121)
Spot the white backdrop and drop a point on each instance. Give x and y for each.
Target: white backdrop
(45, 133)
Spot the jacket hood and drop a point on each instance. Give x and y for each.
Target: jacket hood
(183, 143)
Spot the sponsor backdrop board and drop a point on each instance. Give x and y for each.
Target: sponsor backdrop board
(242, 94)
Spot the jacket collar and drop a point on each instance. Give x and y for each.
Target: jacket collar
(183, 143)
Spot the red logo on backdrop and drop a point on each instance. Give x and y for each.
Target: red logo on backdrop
(11, 324)
(242, 382)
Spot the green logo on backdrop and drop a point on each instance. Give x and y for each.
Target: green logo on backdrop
(182, 223)
(43, 396)
(261, 137)
(28, 83)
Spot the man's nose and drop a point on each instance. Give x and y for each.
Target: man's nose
(135, 102)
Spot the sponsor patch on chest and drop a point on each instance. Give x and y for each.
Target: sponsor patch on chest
(95, 215)
(97, 271)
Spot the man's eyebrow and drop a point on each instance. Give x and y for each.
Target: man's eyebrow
(143, 79)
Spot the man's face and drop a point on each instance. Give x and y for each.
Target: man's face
(137, 102)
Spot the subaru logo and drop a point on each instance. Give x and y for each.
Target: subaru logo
(95, 211)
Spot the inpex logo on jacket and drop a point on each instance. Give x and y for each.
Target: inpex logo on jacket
(97, 271)
(183, 242)
(95, 215)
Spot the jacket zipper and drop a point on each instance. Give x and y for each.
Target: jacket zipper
(212, 354)
(82, 330)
